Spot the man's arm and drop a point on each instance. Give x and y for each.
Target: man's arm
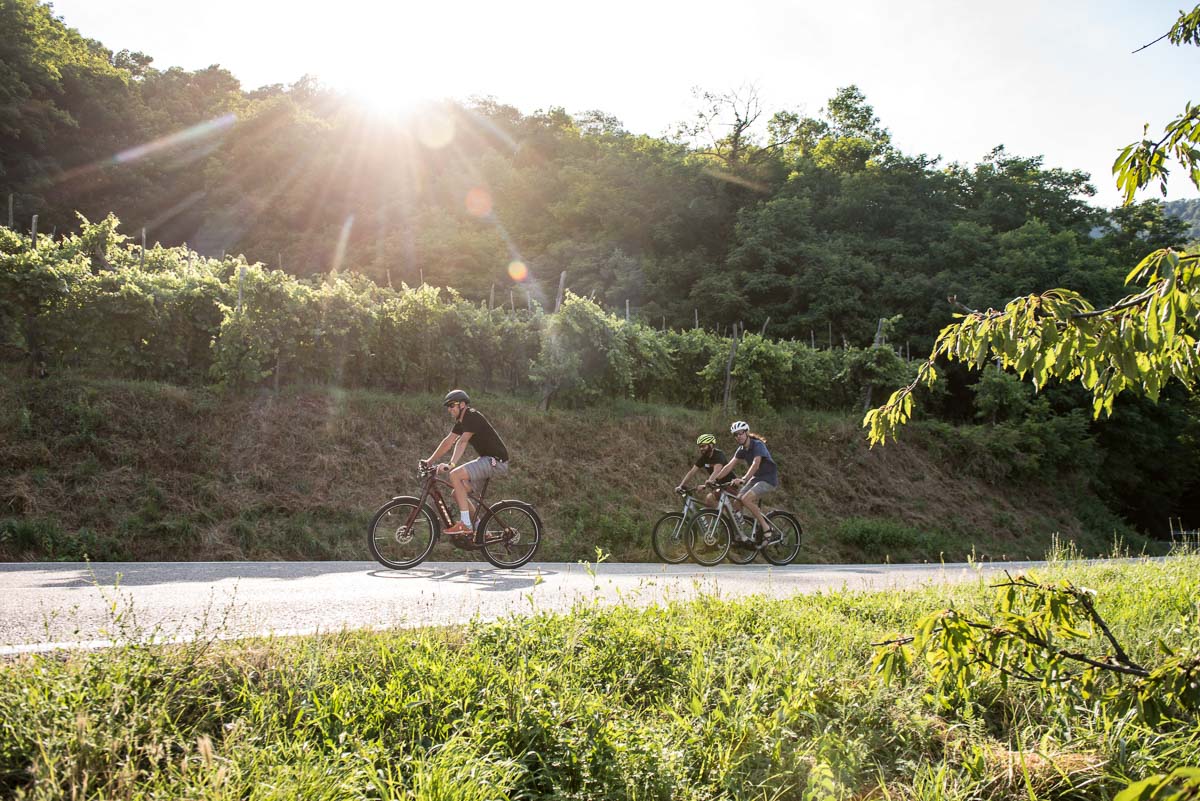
(689, 474)
(724, 471)
(443, 446)
(459, 447)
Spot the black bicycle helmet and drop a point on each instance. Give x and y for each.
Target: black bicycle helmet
(456, 395)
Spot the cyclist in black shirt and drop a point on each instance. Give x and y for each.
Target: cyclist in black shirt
(469, 426)
(710, 460)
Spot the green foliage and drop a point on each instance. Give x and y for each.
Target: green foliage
(880, 539)
(1142, 162)
(90, 300)
(584, 354)
(1139, 343)
(49, 542)
(1036, 635)
(1181, 784)
(1001, 396)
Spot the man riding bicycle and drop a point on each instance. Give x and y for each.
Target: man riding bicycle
(710, 460)
(762, 476)
(470, 426)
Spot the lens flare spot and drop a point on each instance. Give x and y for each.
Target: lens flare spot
(434, 127)
(517, 271)
(479, 202)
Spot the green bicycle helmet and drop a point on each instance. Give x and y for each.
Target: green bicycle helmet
(706, 439)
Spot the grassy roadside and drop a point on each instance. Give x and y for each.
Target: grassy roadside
(706, 699)
(119, 470)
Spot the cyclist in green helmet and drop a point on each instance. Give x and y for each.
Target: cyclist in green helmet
(710, 460)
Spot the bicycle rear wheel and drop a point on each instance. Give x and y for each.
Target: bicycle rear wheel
(402, 533)
(669, 538)
(708, 538)
(511, 534)
(786, 550)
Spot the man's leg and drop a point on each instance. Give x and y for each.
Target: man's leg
(460, 482)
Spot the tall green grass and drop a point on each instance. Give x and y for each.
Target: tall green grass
(706, 699)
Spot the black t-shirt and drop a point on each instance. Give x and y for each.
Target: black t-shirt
(484, 438)
(714, 460)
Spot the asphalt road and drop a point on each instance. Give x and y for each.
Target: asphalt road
(55, 605)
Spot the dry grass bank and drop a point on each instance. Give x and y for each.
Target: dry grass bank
(140, 471)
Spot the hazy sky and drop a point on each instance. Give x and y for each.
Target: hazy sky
(947, 77)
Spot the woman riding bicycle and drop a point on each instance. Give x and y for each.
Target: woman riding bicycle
(710, 460)
(761, 477)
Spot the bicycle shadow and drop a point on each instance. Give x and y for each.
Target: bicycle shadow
(483, 577)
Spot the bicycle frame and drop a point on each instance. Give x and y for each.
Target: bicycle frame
(725, 500)
(690, 505)
(432, 491)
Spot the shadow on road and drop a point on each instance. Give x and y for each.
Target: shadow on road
(134, 574)
(488, 579)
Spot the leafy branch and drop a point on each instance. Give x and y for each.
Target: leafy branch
(1138, 343)
(1030, 640)
(1141, 162)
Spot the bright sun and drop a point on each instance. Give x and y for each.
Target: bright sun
(387, 94)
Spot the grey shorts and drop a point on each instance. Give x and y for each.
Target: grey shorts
(485, 467)
(759, 488)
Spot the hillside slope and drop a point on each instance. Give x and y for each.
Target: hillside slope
(141, 471)
(1188, 210)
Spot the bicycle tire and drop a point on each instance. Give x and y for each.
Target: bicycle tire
(785, 551)
(512, 532)
(708, 538)
(741, 554)
(397, 543)
(669, 538)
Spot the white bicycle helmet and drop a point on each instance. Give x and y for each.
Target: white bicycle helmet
(739, 426)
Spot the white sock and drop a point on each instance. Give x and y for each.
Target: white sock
(466, 518)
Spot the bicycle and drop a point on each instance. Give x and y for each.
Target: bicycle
(710, 538)
(404, 530)
(668, 538)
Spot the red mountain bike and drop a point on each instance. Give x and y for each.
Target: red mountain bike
(404, 530)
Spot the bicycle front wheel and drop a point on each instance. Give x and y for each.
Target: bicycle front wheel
(708, 538)
(511, 534)
(784, 551)
(402, 533)
(668, 538)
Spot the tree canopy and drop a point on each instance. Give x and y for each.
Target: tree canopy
(815, 223)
